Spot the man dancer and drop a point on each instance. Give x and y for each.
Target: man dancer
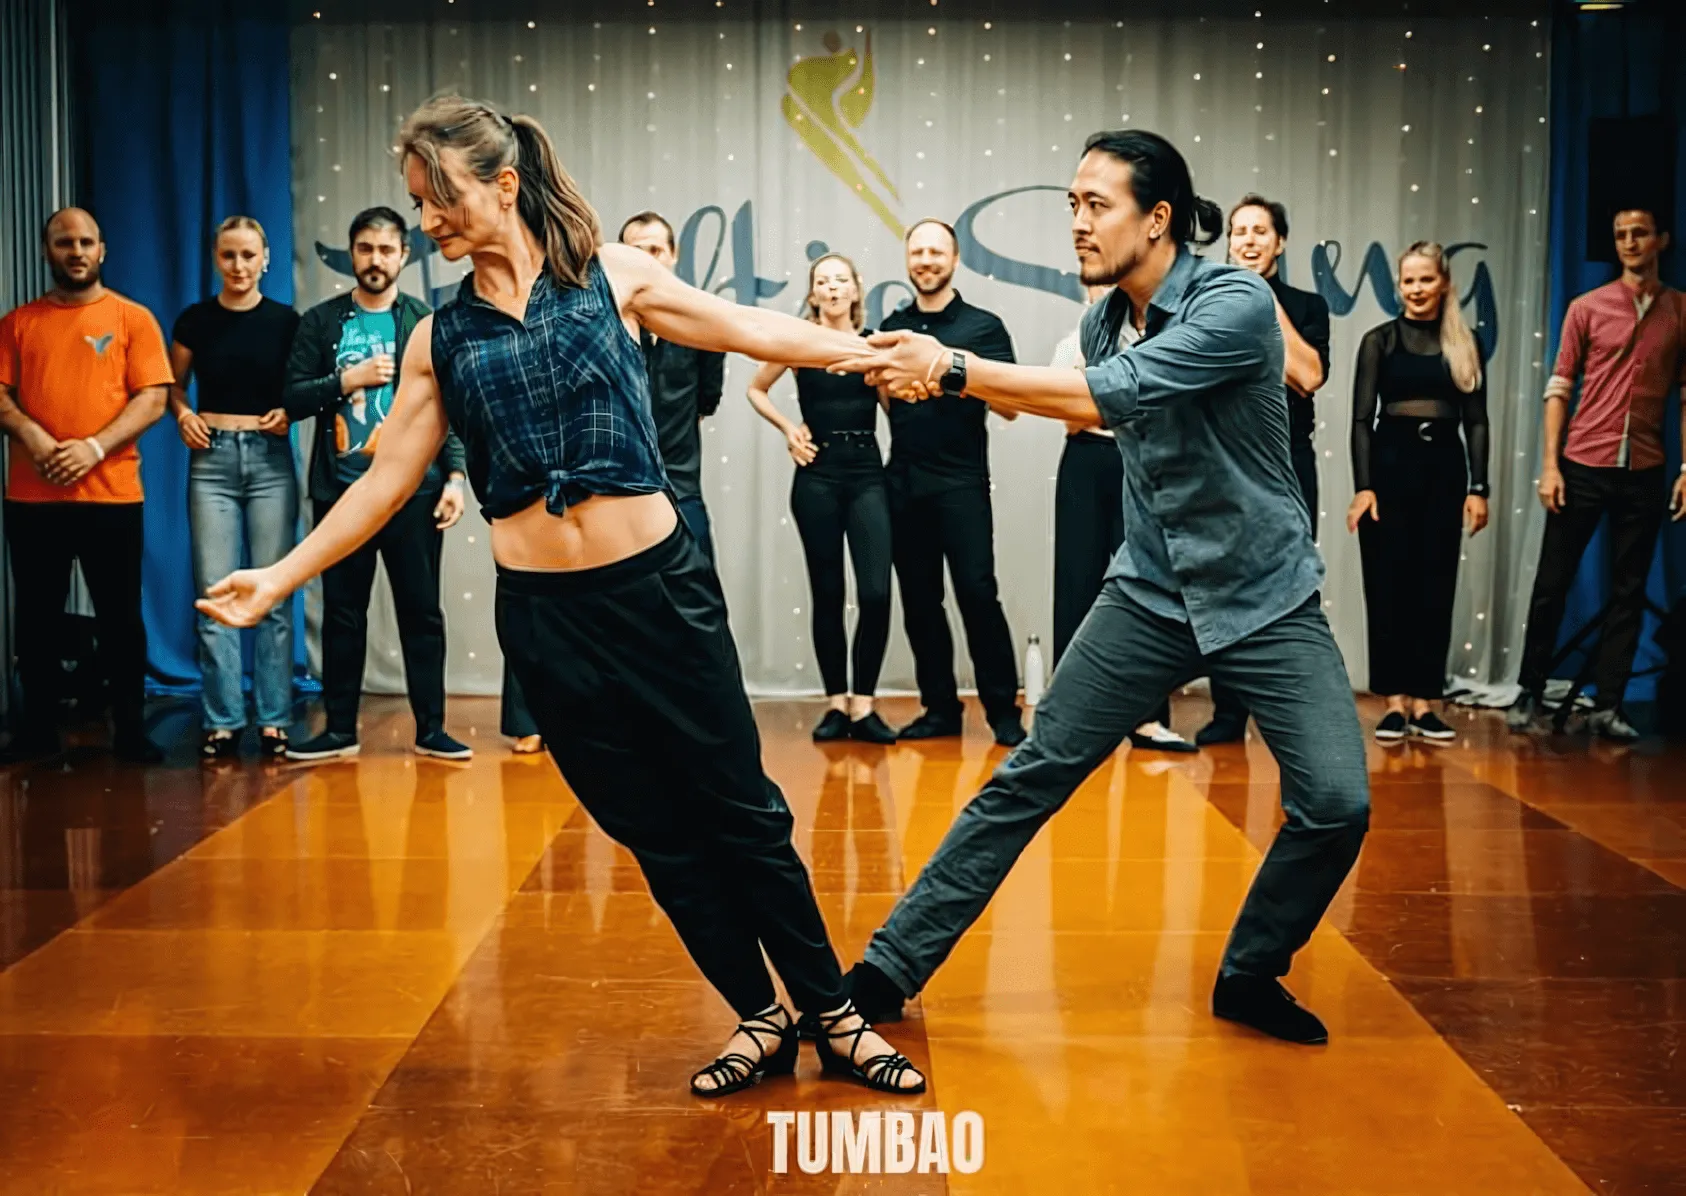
(83, 372)
(344, 370)
(685, 387)
(1217, 576)
(1258, 233)
(940, 506)
(1625, 343)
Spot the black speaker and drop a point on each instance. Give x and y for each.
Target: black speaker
(1630, 164)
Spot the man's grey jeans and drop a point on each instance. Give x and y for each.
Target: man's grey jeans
(1123, 661)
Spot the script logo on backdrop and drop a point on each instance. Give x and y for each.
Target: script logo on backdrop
(829, 96)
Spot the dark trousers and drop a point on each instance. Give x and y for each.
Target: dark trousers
(831, 508)
(107, 538)
(1225, 701)
(1088, 528)
(1410, 553)
(1635, 500)
(695, 515)
(514, 719)
(632, 676)
(1122, 659)
(409, 545)
(955, 525)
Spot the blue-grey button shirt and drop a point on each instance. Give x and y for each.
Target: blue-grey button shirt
(1216, 534)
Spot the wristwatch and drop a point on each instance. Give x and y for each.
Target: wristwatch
(954, 379)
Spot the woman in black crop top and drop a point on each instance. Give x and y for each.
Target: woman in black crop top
(608, 612)
(1418, 485)
(242, 493)
(838, 494)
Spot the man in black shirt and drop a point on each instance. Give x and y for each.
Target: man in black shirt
(1258, 233)
(940, 507)
(685, 387)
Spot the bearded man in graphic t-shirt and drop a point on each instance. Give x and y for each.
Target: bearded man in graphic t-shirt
(83, 372)
(343, 370)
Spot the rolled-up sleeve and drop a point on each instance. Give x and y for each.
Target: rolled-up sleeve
(1226, 332)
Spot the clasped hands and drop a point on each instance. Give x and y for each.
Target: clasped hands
(61, 462)
(908, 365)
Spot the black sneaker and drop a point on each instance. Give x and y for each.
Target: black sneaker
(1262, 1003)
(1428, 725)
(930, 726)
(133, 747)
(442, 747)
(1392, 728)
(1009, 730)
(1609, 724)
(835, 725)
(1522, 713)
(1224, 728)
(872, 729)
(1161, 739)
(330, 745)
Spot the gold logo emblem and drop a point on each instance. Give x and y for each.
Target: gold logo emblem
(829, 96)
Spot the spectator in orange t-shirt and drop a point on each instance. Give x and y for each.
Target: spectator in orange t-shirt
(83, 372)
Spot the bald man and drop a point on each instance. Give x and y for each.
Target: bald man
(83, 372)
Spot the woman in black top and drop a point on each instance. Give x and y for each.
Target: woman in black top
(1416, 482)
(838, 494)
(242, 490)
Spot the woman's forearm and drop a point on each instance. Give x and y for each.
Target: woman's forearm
(763, 404)
(361, 511)
(775, 337)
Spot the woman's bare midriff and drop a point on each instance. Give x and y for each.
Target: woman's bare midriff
(230, 423)
(593, 533)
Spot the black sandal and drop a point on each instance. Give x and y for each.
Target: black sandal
(882, 1073)
(219, 745)
(733, 1072)
(272, 742)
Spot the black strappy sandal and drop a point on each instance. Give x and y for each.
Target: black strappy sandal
(882, 1073)
(733, 1072)
(219, 745)
(272, 743)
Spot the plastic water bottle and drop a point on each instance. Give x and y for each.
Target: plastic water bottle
(1035, 674)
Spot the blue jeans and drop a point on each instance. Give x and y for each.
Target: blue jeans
(1122, 662)
(242, 496)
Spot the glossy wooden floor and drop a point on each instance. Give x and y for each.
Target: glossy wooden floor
(401, 976)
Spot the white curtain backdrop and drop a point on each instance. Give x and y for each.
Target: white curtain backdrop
(1374, 133)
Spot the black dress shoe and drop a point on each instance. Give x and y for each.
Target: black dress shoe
(930, 726)
(1262, 1003)
(834, 726)
(871, 729)
(875, 995)
(1224, 728)
(1009, 730)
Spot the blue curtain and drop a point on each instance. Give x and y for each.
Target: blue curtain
(1615, 64)
(185, 122)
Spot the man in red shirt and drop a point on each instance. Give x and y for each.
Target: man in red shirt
(83, 372)
(1625, 343)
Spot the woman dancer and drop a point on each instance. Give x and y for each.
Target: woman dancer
(608, 612)
(242, 492)
(1414, 487)
(838, 493)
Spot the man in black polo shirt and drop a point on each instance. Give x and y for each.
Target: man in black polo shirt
(940, 508)
(685, 387)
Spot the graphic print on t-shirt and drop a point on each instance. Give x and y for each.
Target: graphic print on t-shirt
(367, 334)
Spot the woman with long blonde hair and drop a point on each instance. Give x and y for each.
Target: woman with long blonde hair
(609, 613)
(1418, 486)
(838, 495)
